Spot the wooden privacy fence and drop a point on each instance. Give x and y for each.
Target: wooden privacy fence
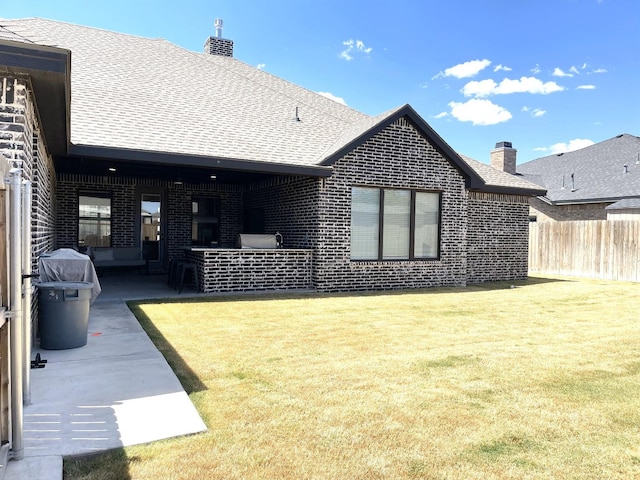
(606, 249)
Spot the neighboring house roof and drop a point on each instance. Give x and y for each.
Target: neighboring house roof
(626, 204)
(151, 101)
(590, 175)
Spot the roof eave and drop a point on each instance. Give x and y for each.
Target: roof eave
(48, 70)
(202, 161)
(530, 192)
(587, 201)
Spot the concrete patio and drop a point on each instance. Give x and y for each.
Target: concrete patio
(116, 391)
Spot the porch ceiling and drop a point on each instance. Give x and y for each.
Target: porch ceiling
(194, 174)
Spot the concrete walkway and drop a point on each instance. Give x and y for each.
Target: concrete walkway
(116, 391)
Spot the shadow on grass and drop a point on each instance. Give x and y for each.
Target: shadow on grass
(250, 296)
(188, 378)
(109, 465)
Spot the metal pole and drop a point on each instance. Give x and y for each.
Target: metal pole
(26, 297)
(15, 321)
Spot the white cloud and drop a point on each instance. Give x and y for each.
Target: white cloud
(333, 97)
(465, 70)
(479, 112)
(558, 72)
(482, 88)
(573, 69)
(485, 88)
(599, 70)
(536, 70)
(536, 112)
(354, 46)
(586, 87)
(570, 146)
(441, 115)
(497, 68)
(260, 66)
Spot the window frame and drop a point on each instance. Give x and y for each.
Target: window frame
(412, 225)
(101, 220)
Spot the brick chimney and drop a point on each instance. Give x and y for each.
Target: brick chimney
(503, 157)
(218, 45)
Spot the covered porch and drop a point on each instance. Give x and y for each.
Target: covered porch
(161, 210)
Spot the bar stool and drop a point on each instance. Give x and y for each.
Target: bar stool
(185, 268)
(172, 273)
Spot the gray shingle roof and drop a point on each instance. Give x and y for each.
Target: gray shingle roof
(161, 97)
(625, 204)
(137, 94)
(497, 178)
(598, 172)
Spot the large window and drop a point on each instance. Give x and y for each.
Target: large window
(94, 221)
(394, 224)
(205, 230)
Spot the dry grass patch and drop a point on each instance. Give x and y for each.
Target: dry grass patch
(538, 381)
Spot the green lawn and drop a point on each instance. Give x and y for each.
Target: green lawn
(527, 380)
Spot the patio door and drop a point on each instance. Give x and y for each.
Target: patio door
(152, 227)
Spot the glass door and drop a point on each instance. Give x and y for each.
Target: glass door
(151, 229)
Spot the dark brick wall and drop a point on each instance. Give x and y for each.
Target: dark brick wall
(21, 141)
(235, 270)
(290, 206)
(125, 209)
(397, 157)
(498, 237)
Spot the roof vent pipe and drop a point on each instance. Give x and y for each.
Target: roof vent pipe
(218, 23)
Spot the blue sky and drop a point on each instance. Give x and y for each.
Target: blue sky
(547, 75)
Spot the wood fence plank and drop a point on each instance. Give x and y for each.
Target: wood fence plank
(606, 249)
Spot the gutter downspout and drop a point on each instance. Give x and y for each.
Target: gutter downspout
(26, 297)
(15, 314)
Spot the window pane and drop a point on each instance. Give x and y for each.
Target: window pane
(396, 225)
(427, 225)
(94, 207)
(365, 223)
(205, 221)
(94, 221)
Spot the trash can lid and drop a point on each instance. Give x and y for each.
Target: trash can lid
(62, 285)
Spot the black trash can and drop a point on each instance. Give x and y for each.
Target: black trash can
(63, 314)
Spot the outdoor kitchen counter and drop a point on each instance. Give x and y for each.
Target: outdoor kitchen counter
(247, 269)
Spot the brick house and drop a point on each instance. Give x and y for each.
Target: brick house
(134, 142)
(599, 182)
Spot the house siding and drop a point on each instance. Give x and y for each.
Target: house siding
(396, 157)
(498, 237)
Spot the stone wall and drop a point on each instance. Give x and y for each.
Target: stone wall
(397, 157)
(498, 237)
